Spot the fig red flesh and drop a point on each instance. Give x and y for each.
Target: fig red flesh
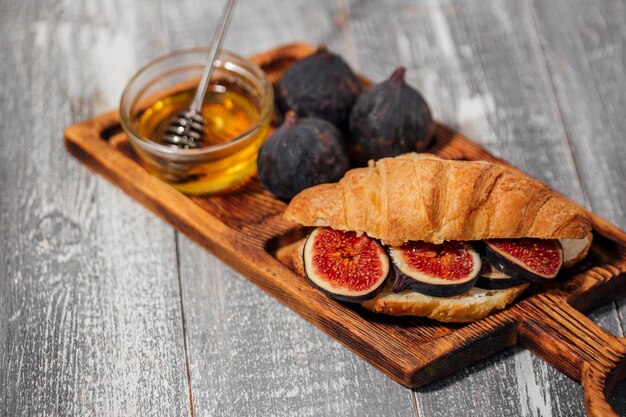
(532, 259)
(450, 261)
(438, 270)
(345, 266)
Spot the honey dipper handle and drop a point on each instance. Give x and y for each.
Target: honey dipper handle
(576, 346)
(216, 45)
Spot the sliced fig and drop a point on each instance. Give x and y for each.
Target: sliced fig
(491, 278)
(345, 266)
(438, 270)
(533, 260)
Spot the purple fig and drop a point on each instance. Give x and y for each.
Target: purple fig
(320, 85)
(390, 119)
(301, 153)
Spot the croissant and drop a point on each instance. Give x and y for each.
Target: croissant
(421, 197)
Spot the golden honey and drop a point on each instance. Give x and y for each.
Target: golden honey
(237, 109)
(230, 112)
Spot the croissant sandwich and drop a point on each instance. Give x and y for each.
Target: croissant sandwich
(450, 240)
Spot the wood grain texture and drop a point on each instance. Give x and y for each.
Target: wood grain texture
(248, 354)
(246, 229)
(90, 310)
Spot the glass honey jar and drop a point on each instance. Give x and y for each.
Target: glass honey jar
(237, 108)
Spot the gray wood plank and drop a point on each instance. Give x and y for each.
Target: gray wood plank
(481, 67)
(584, 45)
(89, 299)
(252, 356)
(584, 48)
(249, 354)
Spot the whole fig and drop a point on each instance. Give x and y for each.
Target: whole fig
(320, 85)
(391, 118)
(301, 153)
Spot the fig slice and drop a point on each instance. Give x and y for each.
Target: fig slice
(533, 260)
(345, 266)
(491, 278)
(438, 270)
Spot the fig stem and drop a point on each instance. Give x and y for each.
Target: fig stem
(291, 118)
(398, 74)
(322, 48)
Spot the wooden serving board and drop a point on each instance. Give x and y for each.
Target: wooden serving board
(246, 230)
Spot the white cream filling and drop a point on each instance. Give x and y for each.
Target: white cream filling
(573, 248)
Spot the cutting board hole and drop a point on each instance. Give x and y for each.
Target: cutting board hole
(108, 133)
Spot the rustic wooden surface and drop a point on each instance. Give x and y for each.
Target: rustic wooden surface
(94, 320)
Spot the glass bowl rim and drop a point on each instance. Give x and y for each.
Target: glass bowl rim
(224, 56)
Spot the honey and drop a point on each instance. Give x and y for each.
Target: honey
(230, 112)
(237, 109)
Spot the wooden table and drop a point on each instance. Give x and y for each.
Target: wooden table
(106, 310)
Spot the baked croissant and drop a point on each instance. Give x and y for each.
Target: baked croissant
(421, 197)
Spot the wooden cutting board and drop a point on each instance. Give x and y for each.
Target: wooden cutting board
(246, 230)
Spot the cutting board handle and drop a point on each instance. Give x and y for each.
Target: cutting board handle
(576, 346)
